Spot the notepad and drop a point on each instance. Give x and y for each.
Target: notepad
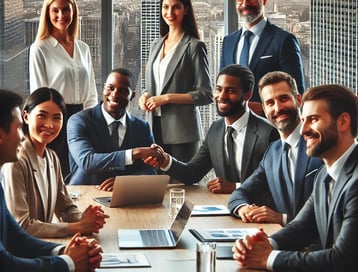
(222, 235)
(112, 260)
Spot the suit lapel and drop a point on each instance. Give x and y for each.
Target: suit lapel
(265, 40)
(154, 53)
(234, 44)
(249, 144)
(179, 53)
(101, 128)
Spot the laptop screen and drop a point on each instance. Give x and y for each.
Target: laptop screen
(181, 219)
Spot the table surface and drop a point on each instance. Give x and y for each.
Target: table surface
(152, 216)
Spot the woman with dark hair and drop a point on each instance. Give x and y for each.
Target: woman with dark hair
(177, 81)
(35, 190)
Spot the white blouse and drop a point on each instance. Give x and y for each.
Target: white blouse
(51, 66)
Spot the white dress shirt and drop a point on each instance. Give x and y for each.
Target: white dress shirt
(51, 66)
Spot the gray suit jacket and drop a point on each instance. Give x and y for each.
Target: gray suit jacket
(259, 134)
(336, 228)
(188, 71)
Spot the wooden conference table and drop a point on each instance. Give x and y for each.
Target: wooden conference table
(183, 257)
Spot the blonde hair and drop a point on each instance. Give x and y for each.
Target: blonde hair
(45, 25)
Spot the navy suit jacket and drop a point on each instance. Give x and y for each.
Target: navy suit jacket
(21, 252)
(92, 157)
(336, 228)
(277, 50)
(259, 134)
(268, 178)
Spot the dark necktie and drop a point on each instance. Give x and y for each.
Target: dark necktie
(329, 189)
(231, 155)
(286, 172)
(244, 56)
(114, 135)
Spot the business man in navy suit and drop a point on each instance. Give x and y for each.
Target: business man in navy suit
(281, 103)
(94, 158)
(271, 48)
(330, 115)
(20, 251)
(251, 137)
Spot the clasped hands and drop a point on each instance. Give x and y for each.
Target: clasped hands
(252, 251)
(86, 253)
(259, 214)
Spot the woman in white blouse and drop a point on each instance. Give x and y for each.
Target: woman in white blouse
(59, 60)
(177, 81)
(34, 188)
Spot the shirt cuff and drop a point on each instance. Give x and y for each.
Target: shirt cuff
(56, 250)
(284, 219)
(68, 260)
(236, 211)
(169, 164)
(271, 259)
(128, 157)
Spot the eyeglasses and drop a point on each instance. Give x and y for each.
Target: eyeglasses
(110, 87)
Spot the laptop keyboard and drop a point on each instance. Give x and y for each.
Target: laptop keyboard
(154, 237)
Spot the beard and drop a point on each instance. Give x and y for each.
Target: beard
(286, 125)
(328, 139)
(237, 108)
(255, 12)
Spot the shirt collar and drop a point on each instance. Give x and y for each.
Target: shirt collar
(109, 119)
(256, 29)
(242, 121)
(294, 138)
(336, 168)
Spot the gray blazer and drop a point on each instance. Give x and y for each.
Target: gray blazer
(188, 72)
(259, 134)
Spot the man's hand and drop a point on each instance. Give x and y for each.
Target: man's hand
(106, 185)
(221, 186)
(259, 214)
(154, 162)
(93, 219)
(145, 152)
(253, 251)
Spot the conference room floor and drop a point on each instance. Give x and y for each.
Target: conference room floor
(153, 216)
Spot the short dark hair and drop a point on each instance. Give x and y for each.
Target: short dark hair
(125, 72)
(9, 100)
(245, 75)
(39, 96)
(276, 77)
(339, 99)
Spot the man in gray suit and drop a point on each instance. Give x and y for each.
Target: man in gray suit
(252, 134)
(330, 214)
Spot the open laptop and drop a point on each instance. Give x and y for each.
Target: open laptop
(135, 190)
(157, 238)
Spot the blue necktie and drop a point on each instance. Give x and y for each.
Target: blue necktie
(244, 56)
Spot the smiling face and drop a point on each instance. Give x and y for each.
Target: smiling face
(250, 10)
(173, 12)
(319, 128)
(229, 97)
(44, 123)
(117, 94)
(281, 107)
(60, 13)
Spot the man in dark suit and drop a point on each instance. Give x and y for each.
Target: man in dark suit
(18, 250)
(281, 102)
(330, 214)
(270, 47)
(94, 157)
(251, 137)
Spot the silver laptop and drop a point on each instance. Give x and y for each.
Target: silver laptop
(157, 238)
(135, 190)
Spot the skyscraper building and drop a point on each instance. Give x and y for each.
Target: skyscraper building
(334, 47)
(149, 30)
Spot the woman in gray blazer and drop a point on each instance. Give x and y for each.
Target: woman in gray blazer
(34, 187)
(177, 81)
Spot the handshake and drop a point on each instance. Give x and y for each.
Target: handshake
(153, 156)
